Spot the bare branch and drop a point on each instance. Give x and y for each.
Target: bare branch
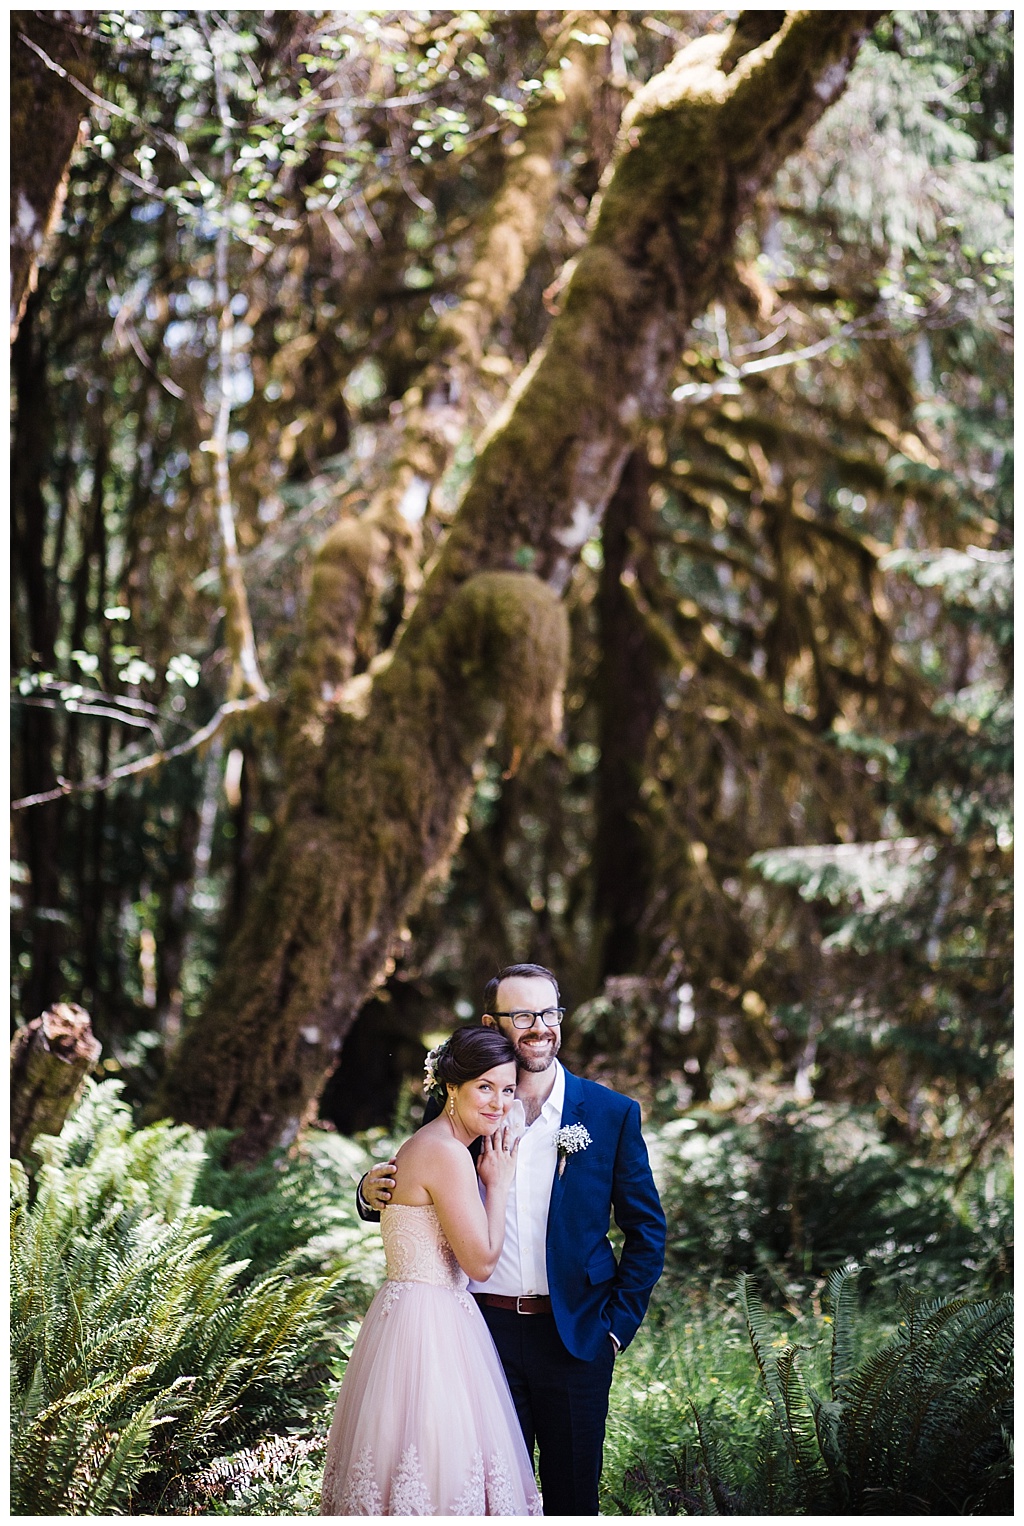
(742, 680)
(177, 147)
(147, 765)
(246, 675)
(77, 708)
(693, 545)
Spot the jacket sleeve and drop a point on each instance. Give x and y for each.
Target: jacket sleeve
(638, 1213)
(367, 1214)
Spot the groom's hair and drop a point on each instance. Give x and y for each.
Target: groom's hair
(525, 970)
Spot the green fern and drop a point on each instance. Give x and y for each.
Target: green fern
(141, 1349)
(922, 1426)
(842, 1289)
(925, 1418)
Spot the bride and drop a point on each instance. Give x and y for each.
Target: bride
(425, 1423)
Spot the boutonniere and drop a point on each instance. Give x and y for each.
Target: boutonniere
(568, 1140)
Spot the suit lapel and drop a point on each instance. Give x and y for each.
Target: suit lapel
(572, 1102)
(573, 1111)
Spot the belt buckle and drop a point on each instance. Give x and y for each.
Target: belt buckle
(519, 1299)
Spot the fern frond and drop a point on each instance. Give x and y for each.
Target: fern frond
(801, 1432)
(266, 1460)
(760, 1337)
(827, 1415)
(709, 1481)
(842, 1303)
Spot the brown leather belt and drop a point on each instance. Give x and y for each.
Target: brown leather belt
(538, 1303)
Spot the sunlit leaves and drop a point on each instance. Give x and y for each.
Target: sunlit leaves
(506, 109)
(184, 669)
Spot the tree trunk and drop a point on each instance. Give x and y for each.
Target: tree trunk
(46, 116)
(375, 804)
(629, 700)
(49, 1061)
(36, 833)
(356, 841)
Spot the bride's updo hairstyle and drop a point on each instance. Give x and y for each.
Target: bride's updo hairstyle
(470, 1052)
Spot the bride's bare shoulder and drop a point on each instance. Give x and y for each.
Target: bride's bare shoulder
(430, 1154)
(433, 1141)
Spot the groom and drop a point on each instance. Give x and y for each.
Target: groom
(558, 1305)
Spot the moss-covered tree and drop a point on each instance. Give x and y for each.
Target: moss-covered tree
(326, 247)
(378, 786)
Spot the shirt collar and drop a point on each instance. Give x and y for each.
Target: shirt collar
(555, 1100)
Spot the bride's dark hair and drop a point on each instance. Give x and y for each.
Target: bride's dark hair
(471, 1052)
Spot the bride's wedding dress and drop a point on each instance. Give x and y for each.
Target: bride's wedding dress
(425, 1424)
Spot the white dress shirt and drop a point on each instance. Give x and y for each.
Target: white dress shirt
(522, 1266)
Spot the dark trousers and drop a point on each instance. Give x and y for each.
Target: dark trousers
(562, 1404)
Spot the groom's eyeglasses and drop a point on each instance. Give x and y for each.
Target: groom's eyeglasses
(550, 1017)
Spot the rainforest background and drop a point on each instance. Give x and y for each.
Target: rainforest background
(515, 485)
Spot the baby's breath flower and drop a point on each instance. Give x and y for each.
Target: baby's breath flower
(568, 1140)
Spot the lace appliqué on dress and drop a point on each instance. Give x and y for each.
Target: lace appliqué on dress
(361, 1497)
(390, 1293)
(466, 1300)
(409, 1493)
(473, 1499)
(501, 1497)
(416, 1248)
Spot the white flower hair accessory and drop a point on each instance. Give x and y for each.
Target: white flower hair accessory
(430, 1079)
(568, 1141)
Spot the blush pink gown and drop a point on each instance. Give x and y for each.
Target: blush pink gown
(425, 1423)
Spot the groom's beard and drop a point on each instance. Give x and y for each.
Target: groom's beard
(538, 1054)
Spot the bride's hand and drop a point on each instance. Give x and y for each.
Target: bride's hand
(496, 1165)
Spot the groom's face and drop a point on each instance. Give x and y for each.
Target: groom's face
(537, 1045)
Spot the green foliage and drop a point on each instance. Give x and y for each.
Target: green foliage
(918, 1426)
(903, 168)
(916, 926)
(800, 1187)
(292, 1215)
(278, 1477)
(143, 1348)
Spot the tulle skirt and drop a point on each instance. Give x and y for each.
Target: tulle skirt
(425, 1423)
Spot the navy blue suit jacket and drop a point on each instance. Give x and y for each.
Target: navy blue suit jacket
(592, 1294)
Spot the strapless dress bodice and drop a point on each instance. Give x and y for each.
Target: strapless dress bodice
(416, 1249)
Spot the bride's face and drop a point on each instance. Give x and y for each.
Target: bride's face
(483, 1102)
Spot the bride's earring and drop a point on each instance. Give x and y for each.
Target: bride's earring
(451, 1106)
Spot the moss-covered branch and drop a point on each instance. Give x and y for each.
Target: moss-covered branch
(696, 145)
(351, 860)
(434, 414)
